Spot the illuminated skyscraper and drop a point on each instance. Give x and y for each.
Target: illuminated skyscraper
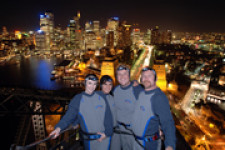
(78, 32)
(124, 38)
(166, 37)
(88, 26)
(47, 25)
(77, 21)
(155, 36)
(147, 37)
(136, 36)
(5, 33)
(72, 34)
(112, 25)
(96, 27)
(110, 39)
(40, 41)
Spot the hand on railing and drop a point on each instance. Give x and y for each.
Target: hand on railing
(55, 133)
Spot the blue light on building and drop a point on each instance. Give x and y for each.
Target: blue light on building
(116, 18)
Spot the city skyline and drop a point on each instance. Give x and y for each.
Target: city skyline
(189, 16)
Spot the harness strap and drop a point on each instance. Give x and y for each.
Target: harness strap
(89, 136)
(123, 124)
(149, 138)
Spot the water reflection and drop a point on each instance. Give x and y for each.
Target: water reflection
(32, 72)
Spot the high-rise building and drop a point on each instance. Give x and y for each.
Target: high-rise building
(110, 39)
(147, 37)
(72, 34)
(5, 33)
(124, 38)
(155, 36)
(47, 25)
(77, 21)
(88, 26)
(96, 27)
(40, 40)
(136, 35)
(112, 25)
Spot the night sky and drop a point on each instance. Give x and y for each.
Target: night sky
(175, 15)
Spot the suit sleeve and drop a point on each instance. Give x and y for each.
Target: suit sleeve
(162, 111)
(71, 115)
(137, 89)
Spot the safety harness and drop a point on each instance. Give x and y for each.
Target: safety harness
(89, 136)
(146, 138)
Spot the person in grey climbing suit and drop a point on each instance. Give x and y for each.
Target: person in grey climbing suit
(125, 96)
(152, 111)
(91, 111)
(106, 85)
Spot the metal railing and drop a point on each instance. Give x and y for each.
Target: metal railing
(58, 145)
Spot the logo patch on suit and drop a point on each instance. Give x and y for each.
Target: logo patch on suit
(128, 101)
(98, 106)
(142, 108)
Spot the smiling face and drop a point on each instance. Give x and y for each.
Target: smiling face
(148, 80)
(90, 86)
(123, 77)
(107, 87)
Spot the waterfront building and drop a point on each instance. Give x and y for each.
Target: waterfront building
(47, 25)
(40, 40)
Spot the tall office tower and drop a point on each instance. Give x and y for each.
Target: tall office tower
(110, 39)
(96, 27)
(166, 37)
(40, 40)
(103, 37)
(89, 40)
(59, 38)
(88, 26)
(77, 21)
(78, 39)
(31, 40)
(112, 25)
(47, 25)
(72, 34)
(124, 39)
(5, 33)
(78, 32)
(155, 36)
(147, 37)
(136, 35)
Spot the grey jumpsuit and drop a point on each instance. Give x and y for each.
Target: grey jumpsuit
(93, 114)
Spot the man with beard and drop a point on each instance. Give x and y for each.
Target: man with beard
(152, 112)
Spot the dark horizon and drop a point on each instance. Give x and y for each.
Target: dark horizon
(178, 16)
